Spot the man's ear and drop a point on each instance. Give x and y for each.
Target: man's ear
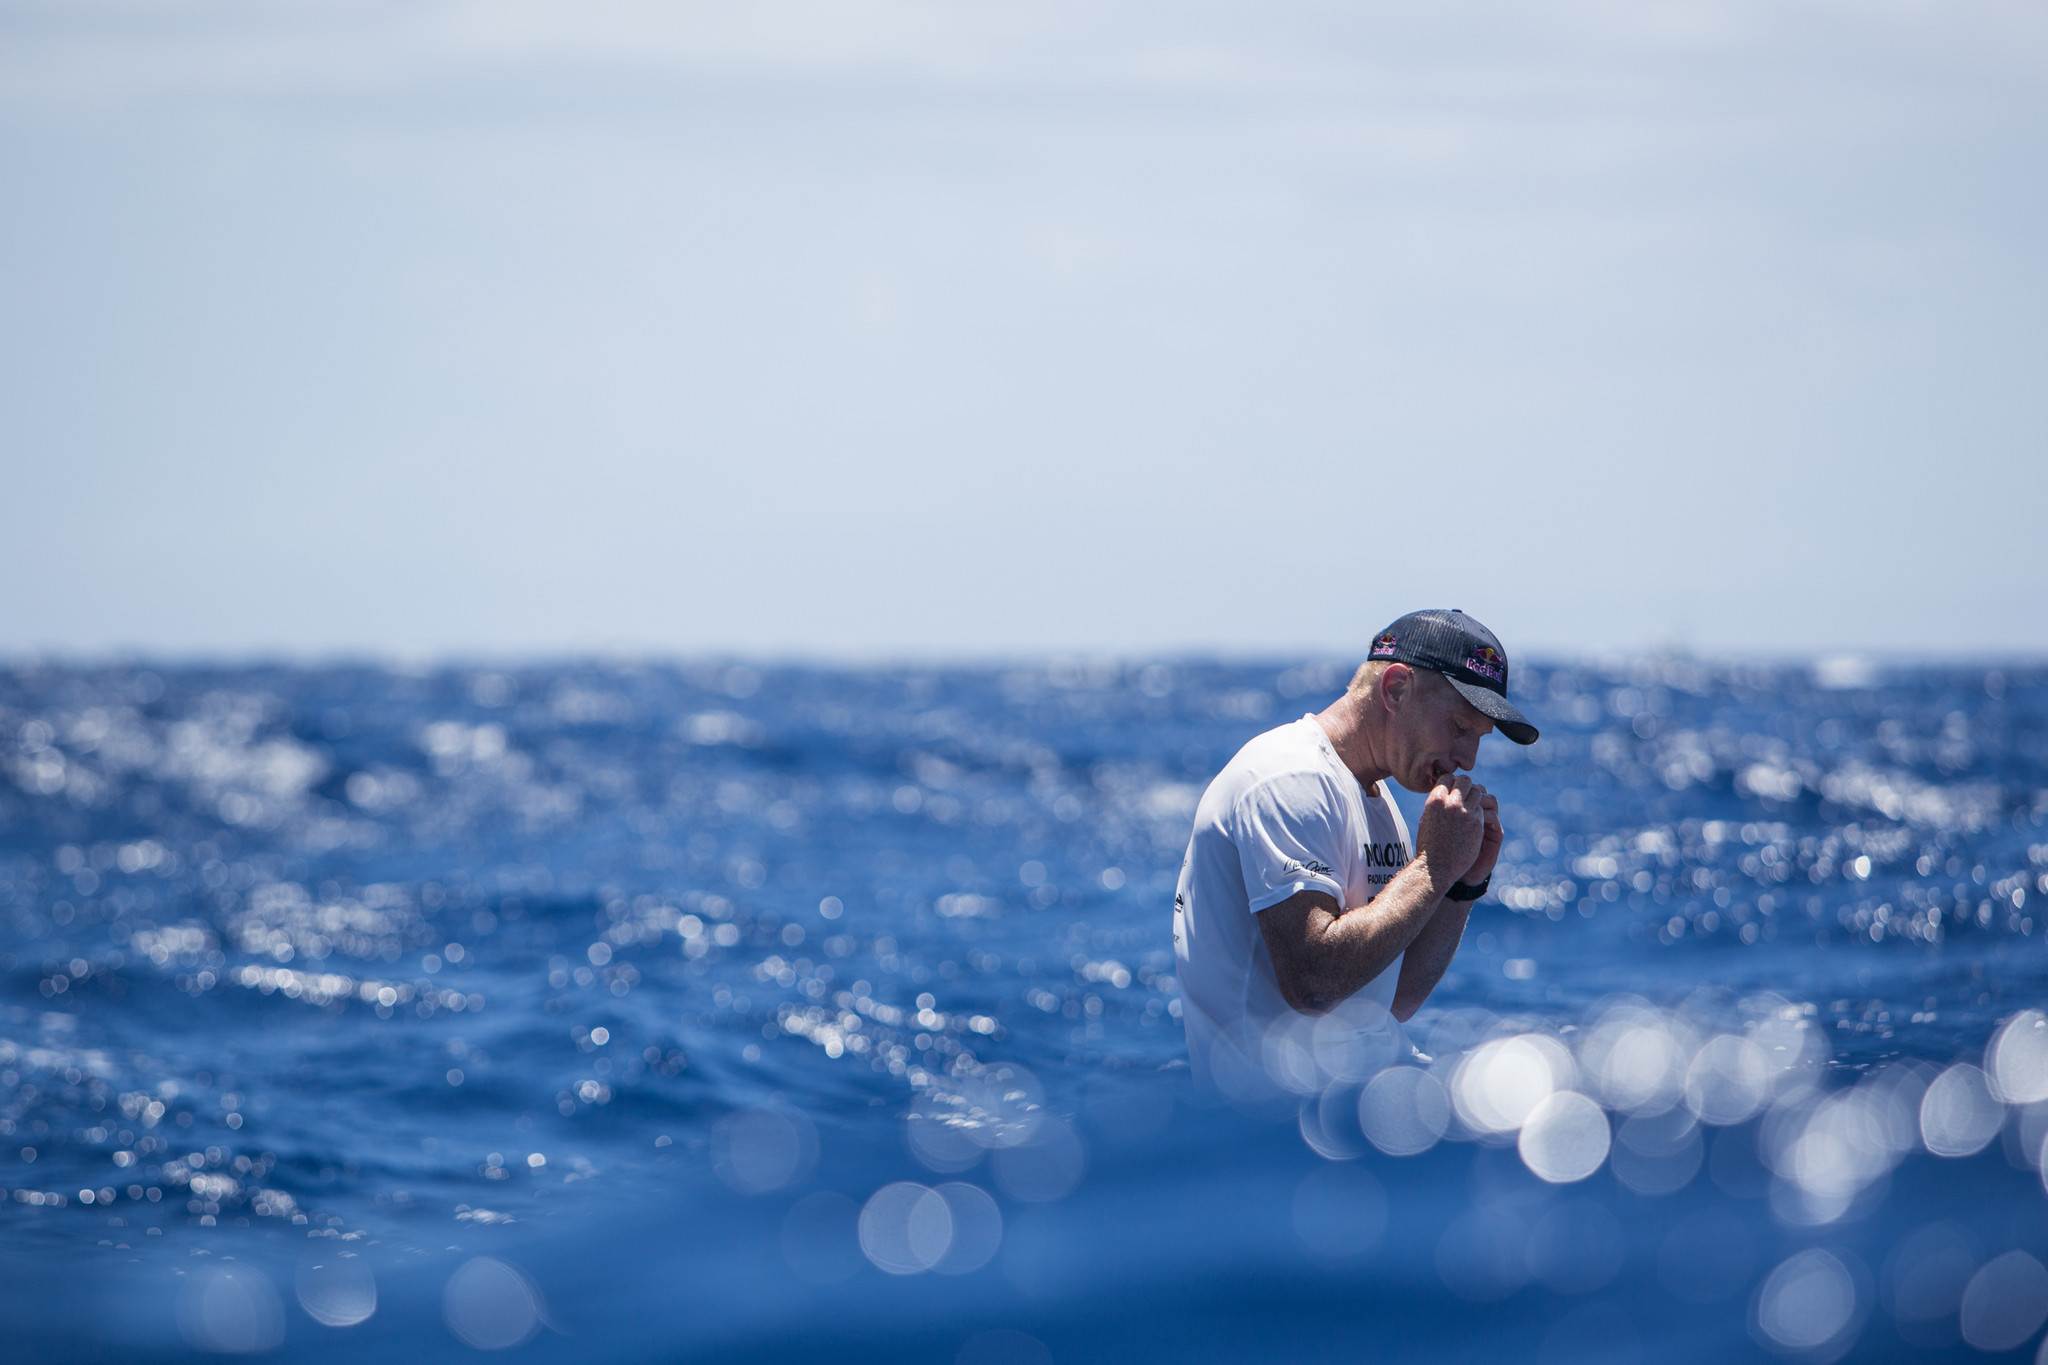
(1396, 685)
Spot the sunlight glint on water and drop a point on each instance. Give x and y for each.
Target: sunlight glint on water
(638, 1009)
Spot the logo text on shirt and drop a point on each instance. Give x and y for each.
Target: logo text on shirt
(1386, 855)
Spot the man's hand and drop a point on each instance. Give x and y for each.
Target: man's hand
(1452, 836)
(1457, 811)
(1489, 843)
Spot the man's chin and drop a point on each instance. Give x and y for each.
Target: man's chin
(1421, 787)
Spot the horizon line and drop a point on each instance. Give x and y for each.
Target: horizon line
(403, 660)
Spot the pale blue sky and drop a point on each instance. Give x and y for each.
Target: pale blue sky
(878, 327)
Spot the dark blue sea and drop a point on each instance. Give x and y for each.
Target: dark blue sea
(738, 1012)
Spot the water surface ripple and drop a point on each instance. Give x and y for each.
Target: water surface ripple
(749, 1012)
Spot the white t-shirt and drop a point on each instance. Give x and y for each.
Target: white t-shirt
(1285, 815)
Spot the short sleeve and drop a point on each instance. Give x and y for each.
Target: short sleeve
(1288, 836)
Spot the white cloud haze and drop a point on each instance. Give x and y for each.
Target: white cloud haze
(952, 329)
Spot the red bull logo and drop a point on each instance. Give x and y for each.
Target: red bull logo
(1383, 647)
(1486, 661)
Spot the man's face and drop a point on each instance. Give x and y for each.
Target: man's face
(1436, 732)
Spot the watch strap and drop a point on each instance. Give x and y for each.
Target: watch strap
(1464, 891)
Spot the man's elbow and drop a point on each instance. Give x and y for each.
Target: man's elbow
(1304, 996)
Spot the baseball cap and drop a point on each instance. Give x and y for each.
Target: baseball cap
(1465, 652)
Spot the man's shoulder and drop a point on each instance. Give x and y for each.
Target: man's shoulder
(1289, 755)
(1294, 747)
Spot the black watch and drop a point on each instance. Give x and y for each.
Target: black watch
(1462, 891)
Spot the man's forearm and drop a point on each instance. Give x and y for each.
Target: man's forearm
(1429, 957)
(1369, 937)
(1322, 952)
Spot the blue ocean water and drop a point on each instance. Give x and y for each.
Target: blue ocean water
(721, 1011)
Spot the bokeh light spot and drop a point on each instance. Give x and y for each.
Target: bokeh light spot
(1565, 1139)
(337, 1290)
(764, 1148)
(905, 1228)
(490, 1305)
(1807, 1304)
(1404, 1111)
(1959, 1116)
(230, 1310)
(977, 1228)
(2005, 1303)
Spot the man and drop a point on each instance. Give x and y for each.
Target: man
(1299, 895)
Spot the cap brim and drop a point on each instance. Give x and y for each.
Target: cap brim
(1497, 709)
